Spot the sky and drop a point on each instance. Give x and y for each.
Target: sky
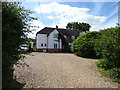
(99, 15)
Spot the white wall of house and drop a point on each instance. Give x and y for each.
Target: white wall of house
(54, 40)
(42, 39)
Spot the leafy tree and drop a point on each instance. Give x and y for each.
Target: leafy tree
(14, 26)
(69, 26)
(65, 44)
(78, 26)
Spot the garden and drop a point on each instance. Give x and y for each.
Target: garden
(104, 45)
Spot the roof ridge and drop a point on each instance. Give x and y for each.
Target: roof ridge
(48, 30)
(55, 28)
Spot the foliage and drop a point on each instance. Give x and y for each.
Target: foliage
(114, 73)
(64, 43)
(107, 46)
(14, 27)
(78, 26)
(105, 63)
(84, 44)
(29, 40)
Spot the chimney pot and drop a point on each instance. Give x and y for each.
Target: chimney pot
(56, 26)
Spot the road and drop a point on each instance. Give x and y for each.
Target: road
(59, 70)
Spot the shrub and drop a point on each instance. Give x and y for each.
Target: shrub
(105, 63)
(84, 44)
(107, 47)
(114, 73)
(14, 26)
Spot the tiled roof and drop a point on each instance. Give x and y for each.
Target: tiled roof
(48, 30)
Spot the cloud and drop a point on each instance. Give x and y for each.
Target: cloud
(62, 14)
(35, 29)
(51, 17)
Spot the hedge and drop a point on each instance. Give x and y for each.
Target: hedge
(108, 46)
(84, 44)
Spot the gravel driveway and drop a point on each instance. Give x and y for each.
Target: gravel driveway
(60, 70)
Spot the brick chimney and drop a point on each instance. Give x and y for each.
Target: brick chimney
(56, 26)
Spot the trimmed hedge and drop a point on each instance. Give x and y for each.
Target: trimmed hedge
(84, 44)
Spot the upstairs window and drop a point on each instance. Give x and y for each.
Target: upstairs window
(56, 35)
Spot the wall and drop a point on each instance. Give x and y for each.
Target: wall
(42, 38)
(52, 40)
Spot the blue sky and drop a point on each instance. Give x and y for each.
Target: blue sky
(99, 15)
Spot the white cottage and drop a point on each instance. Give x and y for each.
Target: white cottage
(47, 39)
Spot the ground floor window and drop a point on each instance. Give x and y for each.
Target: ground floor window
(55, 45)
(45, 44)
(41, 44)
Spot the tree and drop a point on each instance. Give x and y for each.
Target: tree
(69, 26)
(78, 26)
(14, 26)
(65, 44)
(85, 26)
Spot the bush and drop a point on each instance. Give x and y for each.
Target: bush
(114, 73)
(14, 26)
(105, 63)
(107, 47)
(84, 44)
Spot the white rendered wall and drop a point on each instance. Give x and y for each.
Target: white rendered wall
(51, 40)
(42, 38)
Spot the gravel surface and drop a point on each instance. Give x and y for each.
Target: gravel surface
(59, 70)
